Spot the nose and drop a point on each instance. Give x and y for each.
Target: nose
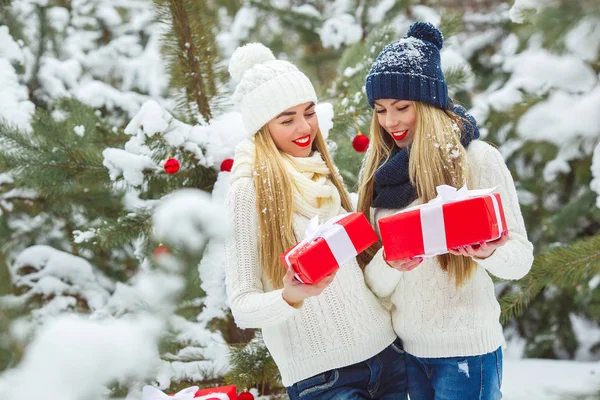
(391, 122)
(304, 127)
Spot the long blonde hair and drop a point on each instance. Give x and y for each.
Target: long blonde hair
(275, 202)
(436, 157)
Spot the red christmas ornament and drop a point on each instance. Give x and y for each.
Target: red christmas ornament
(226, 165)
(160, 250)
(360, 142)
(245, 395)
(171, 166)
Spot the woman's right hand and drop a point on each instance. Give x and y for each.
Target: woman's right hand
(294, 292)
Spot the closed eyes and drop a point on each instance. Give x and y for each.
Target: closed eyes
(383, 110)
(307, 116)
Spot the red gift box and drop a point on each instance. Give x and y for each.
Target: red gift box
(455, 218)
(326, 247)
(216, 393)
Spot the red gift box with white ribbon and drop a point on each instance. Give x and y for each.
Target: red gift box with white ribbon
(328, 246)
(192, 393)
(454, 218)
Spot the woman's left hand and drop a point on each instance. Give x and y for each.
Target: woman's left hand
(483, 250)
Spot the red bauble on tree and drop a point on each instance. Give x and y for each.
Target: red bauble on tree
(161, 250)
(226, 165)
(245, 396)
(171, 166)
(360, 142)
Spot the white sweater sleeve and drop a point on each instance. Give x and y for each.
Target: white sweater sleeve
(380, 277)
(250, 305)
(513, 260)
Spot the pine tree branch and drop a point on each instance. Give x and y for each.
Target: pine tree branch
(562, 267)
(189, 57)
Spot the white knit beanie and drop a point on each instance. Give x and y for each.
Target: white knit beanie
(267, 86)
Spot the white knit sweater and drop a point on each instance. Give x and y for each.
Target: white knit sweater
(432, 317)
(344, 325)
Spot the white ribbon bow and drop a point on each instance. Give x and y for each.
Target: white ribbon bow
(337, 239)
(432, 216)
(448, 194)
(151, 393)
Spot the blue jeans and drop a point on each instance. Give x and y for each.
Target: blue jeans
(380, 377)
(455, 378)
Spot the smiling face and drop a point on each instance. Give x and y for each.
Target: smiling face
(294, 130)
(398, 118)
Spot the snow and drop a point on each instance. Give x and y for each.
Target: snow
(538, 70)
(377, 14)
(521, 7)
(325, 113)
(59, 273)
(212, 275)
(342, 29)
(338, 7)
(187, 217)
(588, 28)
(9, 49)
(308, 10)
(426, 14)
(453, 60)
(244, 20)
(150, 119)
(535, 379)
(469, 45)
(97, 94)
(73, 357)
(563, 116)
(15, 107)
(567, 86)
(59, 77)
(79, 130)
(130, 166)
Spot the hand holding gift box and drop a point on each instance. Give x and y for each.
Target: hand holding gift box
(454, 218)
(191, 393)
(326, 247)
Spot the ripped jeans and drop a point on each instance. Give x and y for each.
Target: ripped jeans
(381, 377)
(455, 378)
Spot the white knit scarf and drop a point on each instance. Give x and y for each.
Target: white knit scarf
(314, 193)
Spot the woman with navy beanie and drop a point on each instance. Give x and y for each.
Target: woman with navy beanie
(444, 308)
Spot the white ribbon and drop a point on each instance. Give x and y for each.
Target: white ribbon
(334, 234)
(432, 216)
(152, 393)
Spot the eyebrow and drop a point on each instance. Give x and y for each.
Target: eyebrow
(288, 113)
(396, 101)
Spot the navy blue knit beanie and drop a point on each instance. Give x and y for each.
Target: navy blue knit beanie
(409, 69)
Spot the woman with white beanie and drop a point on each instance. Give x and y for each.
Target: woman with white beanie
(330, 340)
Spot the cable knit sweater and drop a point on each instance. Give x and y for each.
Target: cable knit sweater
(432, 317)
(344, 325)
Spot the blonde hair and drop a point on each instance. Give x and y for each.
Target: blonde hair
(275, 202)
(436, 157)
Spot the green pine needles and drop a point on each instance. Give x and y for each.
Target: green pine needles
(252, 366)
(191, 48)
(569, 267)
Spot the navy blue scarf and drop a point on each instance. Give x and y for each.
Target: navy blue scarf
(393, 188)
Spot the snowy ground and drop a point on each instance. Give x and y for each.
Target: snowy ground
(533, 379)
